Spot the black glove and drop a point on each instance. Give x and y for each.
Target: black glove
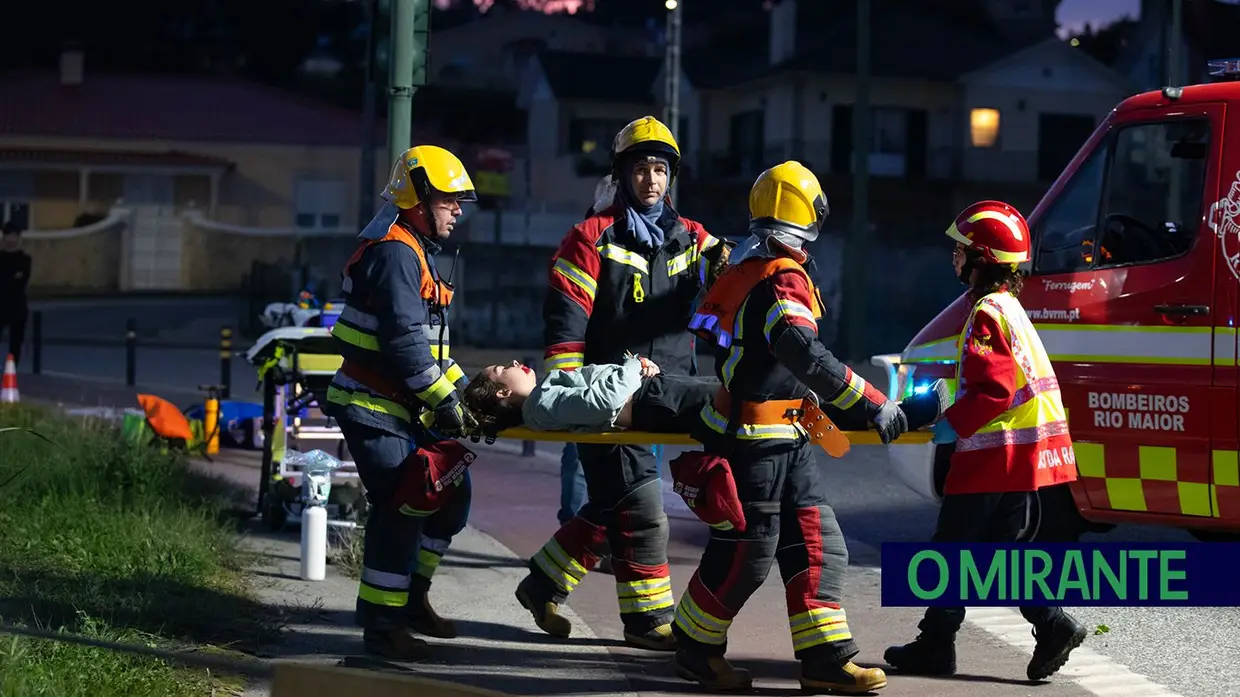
(889, 421)
(454, 421)
(921, 410)
(717, 260)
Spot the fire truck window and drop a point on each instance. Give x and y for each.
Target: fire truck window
(1064, 237)
(1154, 192)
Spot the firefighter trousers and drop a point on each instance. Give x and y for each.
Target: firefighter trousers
(400, 552)
(787, 520)
(997, 518)
(624, 510)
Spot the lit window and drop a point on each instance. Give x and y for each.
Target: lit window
(984, 127)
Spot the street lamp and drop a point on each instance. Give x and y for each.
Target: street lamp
(671, 77)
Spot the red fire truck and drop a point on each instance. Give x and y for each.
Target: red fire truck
(1134, 287)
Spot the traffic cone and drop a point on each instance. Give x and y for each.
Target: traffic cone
(8, 386)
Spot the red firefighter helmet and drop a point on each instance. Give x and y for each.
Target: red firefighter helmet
(994, 231)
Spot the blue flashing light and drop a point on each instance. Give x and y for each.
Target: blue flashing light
(922, 388)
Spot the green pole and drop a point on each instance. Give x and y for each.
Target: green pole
(407, 63)
(400, 80)
(855, 254)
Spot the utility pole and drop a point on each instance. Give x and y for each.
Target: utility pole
(366, 190)
(671, 66)
(410, 29)
(855, 267)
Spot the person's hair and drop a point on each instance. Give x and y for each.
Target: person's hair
(11, 228)
(992, 278)
(494, 414)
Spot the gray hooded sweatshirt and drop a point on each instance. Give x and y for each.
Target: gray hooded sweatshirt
(585, 400)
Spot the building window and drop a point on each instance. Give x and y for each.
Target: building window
(592, 136)
(319, 204)
(16, 212)
(984, 127)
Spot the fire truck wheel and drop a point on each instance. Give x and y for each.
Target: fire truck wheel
(1215, 536)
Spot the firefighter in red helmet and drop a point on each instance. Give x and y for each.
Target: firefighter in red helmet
(1011, 434)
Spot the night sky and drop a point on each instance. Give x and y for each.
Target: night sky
(1074, 14)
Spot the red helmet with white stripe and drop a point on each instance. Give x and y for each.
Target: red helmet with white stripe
(996, 232)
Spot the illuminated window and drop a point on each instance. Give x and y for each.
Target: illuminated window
(984, 127)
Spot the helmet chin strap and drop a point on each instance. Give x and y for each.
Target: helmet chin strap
(967, 268)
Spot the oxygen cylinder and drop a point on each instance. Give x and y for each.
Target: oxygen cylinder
(313, 543)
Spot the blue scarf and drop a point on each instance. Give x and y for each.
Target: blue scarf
(644, 221)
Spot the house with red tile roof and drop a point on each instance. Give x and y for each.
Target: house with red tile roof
(73, 143)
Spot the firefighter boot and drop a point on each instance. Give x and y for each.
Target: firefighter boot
(711, 672)
(848, 678)
(659, 638)
(1054, 642)
(422, 617)
(925, 655)
(546, 611)
(396, 644)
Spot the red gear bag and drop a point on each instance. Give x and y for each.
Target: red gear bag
(432, 476)
(706, 484)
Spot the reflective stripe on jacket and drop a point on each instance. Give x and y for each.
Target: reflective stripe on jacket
(608, 297)
(393, 333)
(1007, 384)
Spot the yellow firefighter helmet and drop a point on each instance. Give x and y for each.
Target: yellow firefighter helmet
(424, 171)
(647, 135)
(788, 197)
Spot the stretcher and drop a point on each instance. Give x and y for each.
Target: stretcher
(643, 438)
(295, 365)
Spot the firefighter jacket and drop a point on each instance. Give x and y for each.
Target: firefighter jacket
(762, 317)
(393, 334)
(609, 296)
(1011, 428)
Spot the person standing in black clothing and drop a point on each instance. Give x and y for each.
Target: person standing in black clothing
(14, 278)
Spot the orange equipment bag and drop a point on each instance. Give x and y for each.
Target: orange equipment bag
(166, 420)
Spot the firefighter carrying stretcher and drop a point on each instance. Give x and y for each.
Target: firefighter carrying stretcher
(623, 280)
(1011, 434)
(761, 318)
(393, 336)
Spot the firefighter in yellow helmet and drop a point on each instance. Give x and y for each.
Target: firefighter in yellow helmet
(393, 336)
(761, 319)
(623, 280)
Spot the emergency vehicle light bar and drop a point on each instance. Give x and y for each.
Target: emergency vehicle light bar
(1224, 69)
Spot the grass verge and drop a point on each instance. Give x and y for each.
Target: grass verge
(121, 542)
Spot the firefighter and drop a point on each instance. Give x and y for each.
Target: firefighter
(1011, 434)
(393, 336)
(623, 280)
(761, 316)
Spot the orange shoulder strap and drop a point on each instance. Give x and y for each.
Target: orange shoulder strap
(430, 289)
(725, 297)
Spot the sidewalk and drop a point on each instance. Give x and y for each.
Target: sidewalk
(500, 648)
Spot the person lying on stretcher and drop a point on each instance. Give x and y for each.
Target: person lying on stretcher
(632, 395)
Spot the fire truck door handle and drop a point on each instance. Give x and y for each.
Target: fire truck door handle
(1182, 310)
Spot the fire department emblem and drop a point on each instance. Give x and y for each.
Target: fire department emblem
(1224, 220)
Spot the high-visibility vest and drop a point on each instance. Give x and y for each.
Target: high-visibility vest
(1028, 446)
